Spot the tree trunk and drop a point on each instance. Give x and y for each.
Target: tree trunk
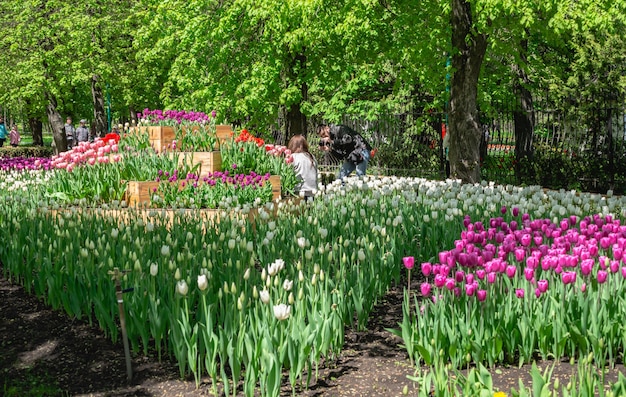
(133, 115)
(464, 127)
(100, 120)
(56, 121)
(523, 117)
(36, 127)
(295, 121)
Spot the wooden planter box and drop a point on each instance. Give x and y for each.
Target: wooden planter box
(161, 137)
(209, 161)
(138, 193)
(276, 190)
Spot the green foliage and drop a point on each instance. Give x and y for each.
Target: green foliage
(26, 151)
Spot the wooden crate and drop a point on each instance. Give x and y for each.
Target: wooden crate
(224, 134)
(138, 193)
(276, 190)
(161, 137)
(209, 161)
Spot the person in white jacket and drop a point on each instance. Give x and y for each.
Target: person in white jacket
(305, 166)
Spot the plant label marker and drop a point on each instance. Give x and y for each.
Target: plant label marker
(116, 275)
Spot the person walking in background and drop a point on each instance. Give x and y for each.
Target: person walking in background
(70, 133)
(305, 166)
(3, 132)
(345, 144)
(14, 136)
(82, 132)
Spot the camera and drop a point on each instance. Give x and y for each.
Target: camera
(324, 143)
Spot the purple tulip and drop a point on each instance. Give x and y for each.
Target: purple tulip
(515, 211)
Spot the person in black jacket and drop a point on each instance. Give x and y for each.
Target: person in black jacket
(347, 145)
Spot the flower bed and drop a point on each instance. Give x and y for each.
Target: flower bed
(231, 303)
(191, 191)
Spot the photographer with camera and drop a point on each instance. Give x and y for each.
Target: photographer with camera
(347, 145)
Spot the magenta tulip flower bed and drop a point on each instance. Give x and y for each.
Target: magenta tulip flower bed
(508, 291)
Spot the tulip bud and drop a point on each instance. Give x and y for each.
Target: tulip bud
(182, 288)
(290, 299)
(203, 282)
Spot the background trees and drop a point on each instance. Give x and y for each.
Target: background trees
(259, 62)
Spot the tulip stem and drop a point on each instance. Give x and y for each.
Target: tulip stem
(409, 286)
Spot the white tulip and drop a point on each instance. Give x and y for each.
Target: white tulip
(182, 288)
(264, 295)
(282, 311)
(203, 282)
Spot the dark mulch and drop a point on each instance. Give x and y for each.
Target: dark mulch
(45, 353)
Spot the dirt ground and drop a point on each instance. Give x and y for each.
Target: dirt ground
(45, 353)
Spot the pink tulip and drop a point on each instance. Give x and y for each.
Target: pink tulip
(519, 293)
(602, 275)
(568, 277)
(586, 266)
(510, 271)
(491, 277)
(440, 280)
(480, 273)
(450, 283)
(425, 289)
(427, 268)
(614, 266)
(583, 287)
(409, 262)
(470, 289)
(469, 278)
(481, 294)
(459, 276)
(520, 254)
(529, 273)
(537, 292)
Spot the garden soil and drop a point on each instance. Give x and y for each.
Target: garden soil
(45, 353)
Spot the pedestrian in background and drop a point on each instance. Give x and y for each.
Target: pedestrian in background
(70, 133)
(305, 166)
(348, 145)
(3, 132)
(14, 136)
(82, 132)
